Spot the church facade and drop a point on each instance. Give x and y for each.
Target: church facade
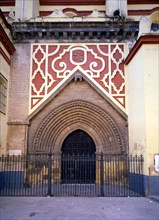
(86, 73)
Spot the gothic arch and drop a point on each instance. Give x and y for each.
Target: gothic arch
(100, 125)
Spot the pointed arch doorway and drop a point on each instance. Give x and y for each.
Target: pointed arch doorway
(78, 164)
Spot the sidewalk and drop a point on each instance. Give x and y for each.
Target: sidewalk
(78, 208)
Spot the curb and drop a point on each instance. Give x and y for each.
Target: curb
(155, 199)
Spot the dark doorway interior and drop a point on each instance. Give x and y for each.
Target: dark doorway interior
(78, 158)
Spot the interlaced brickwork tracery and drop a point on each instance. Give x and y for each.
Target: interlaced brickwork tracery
(53, 64)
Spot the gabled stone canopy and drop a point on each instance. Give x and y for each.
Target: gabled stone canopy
(78, 106)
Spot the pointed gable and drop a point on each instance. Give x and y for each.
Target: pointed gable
(53, 64)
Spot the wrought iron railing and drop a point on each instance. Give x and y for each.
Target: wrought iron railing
(71, 175)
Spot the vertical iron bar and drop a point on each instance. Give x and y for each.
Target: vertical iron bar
(104, 173)
(32, 170)
(142, 181)
(9, 173)
(15, 174)
(128, 173)
(113, 180)
(76, 174)
(131, 179)
(134, 175)
(109, 174)
(23, 166)
(139, 171)
(49, 174)
(1, 170)
(116, 174)
(101, 175)
(137, 175)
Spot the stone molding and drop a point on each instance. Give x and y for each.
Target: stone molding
(110, 30)
(72, 115)
(143, 39)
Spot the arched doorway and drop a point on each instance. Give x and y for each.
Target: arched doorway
(78, 158)
(47, 134)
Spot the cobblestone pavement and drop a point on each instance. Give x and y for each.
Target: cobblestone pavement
(78, 208)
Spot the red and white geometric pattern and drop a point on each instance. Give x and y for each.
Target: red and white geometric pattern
(53, 64)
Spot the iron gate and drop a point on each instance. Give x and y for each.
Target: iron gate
(78, 169)
(78, 158)
(71, 175)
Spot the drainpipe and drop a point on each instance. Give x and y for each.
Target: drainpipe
(119, 7)
(22, 10)
(112, 6)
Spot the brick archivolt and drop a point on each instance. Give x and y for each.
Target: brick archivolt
(78, 115)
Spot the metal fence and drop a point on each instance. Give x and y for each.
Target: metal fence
(71, 175)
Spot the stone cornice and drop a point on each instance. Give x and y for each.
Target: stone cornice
(108, 31)
(145, 39)
(4, 20)
(142, 12)
(18, 122)
(4, 37)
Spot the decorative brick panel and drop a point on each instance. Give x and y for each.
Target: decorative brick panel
(53, 64)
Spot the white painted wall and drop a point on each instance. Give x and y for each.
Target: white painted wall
(143, 103)
(151, 88)
(136, 103)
